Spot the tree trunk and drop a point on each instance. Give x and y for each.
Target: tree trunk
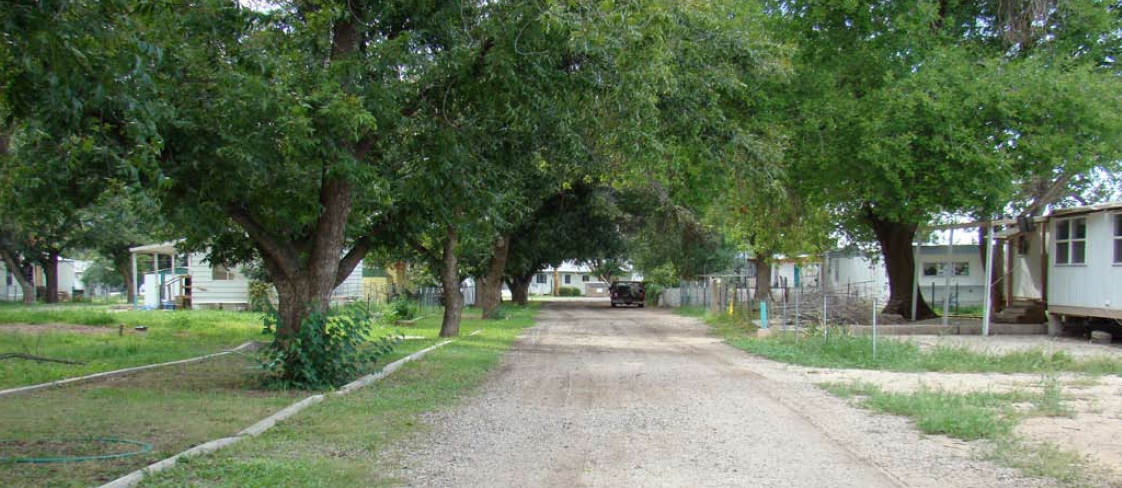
(16, 266)
(763, 278)
(895, 241)
(305, 281)
(123, 263)
(520, 289)
(997, 292)
(489, 292)
(50, 269)
(130, 287)
(450, 281)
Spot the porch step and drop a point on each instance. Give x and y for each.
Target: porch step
(1022, 313)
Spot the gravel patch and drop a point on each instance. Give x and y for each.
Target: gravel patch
(601, 397)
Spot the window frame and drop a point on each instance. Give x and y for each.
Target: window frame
(1070, 242)
(1117, 239)
(941, 269)
(226, 273)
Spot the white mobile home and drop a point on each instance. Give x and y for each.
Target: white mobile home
(797, 272)
(1068, 263)
(69, 280)
(189, 281)
(1084, 274)
(855, 272)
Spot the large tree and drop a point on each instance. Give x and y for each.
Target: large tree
(75, 109)
(282, 123)
(905, 110)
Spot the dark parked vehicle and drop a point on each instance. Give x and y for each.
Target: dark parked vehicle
(628, 293)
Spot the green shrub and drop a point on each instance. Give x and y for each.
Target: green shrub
(259, 299)
(654, 291)
(401, 309)
(569, 291)
(328, 351)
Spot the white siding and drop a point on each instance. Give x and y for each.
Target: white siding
(961, 254)
(206, 292)
(1028, 269)
(1096, 284)
(784, 272)
(9, 291)
(857, 274)
(352, 287)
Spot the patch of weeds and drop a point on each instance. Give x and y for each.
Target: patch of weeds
(851, 389)
(691, 311)
(841, 350)
(1050, 402)
(987, 416)
(969, 416)
(1046, 460)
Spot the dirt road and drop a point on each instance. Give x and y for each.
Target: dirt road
(602, 397)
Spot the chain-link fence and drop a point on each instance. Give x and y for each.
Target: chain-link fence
(787, 307)
(429, 298)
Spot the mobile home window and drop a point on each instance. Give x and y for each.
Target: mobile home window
(961, 268)
(1071, 241)
(1118, 238)
(584, 278)
(541, 278)
(568, 279)
(221, 273)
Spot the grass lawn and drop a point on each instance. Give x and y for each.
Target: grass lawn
(840, 350)
(337, 442)
(91, 335)
(172, 408)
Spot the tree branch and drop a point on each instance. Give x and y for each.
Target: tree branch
(281, 254)
(422, 250)
(352, 258)
(1047, 196)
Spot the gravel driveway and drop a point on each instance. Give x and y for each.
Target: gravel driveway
(600, 397)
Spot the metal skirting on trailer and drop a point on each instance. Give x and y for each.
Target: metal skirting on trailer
(952, 329)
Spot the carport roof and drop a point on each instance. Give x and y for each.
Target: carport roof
(161, 248)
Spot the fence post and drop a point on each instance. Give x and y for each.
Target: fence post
(947, 279)
(798, 319)
(826, 328)
(874, 327)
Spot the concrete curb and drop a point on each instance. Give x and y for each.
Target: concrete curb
(132, 479)
(120, 372)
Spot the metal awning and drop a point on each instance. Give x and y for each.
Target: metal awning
(979, 223)
(161, 248)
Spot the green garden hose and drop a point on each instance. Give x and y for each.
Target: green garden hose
(144, 448)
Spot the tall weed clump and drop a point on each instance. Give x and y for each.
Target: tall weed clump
(329, 350)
